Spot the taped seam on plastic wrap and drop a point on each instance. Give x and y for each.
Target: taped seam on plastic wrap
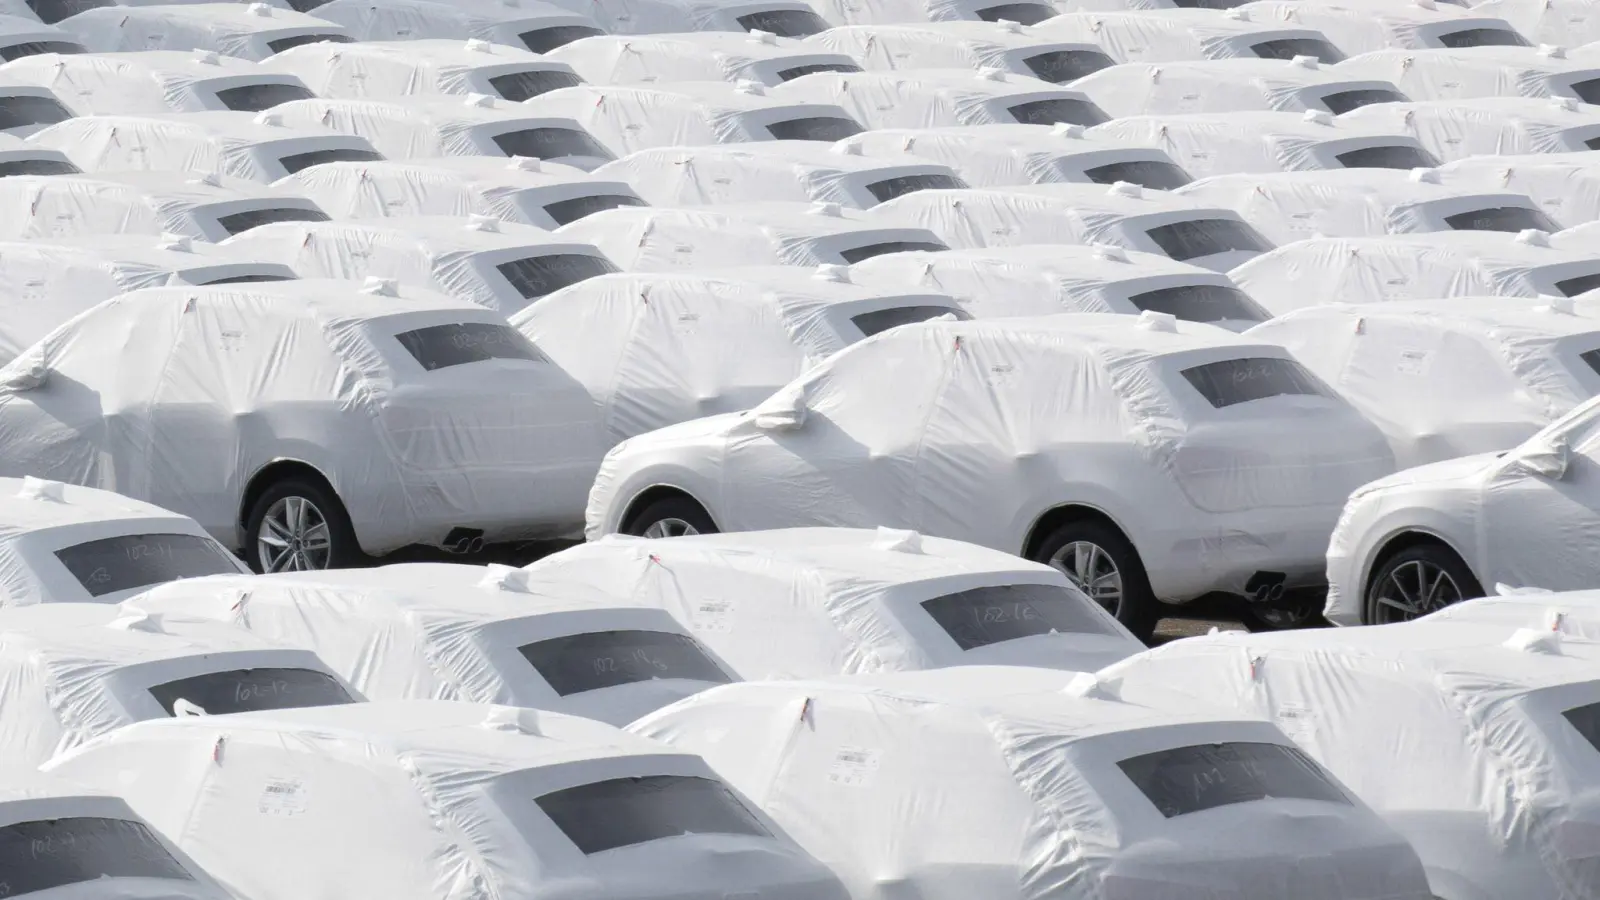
(945, 378)
(804, 710)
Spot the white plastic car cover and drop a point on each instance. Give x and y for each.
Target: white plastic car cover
(1415, 267)
(1488, 126)
(1007, 46)
(521, 189)
(633, 117)
(1569, 614)
(1187, 34)
(817, 602)
(975, 430)
(1294, 206)
(1361, 26)
(655, 239)
(894, 12)
(372, 386)
(999, 155)
(75, 671)
(1123, 215)
(18, 157)
(1565, 185)
(1583, 238)
(385, 69)
(155, 81)
(406, 20)
(1481, 72)
(550, 25)
(757, 56)
(783, 18)
(248, 146)
(426, 127)
(1024, 784)
(1570, 22)
(1233, 85)
(1255, 141)
(754, 330)
(21, 37)
(202, 207)
(43, 283)
(1043, 279)
(26, 108)
(775, 170)
(1448, 378)
(930, 98)
(500, 265)
(1487, 733)
(435, 631)
(438, 800)
(252, 31)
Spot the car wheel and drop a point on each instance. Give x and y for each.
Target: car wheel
(1099, 561)
(1421, 579)
(299, 525)
(671, 517)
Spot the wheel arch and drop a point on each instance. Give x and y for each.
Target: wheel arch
(656, 493)
(1061, 514)
(1405, 539)
(264, 478)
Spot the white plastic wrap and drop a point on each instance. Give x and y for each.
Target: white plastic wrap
(1565, 185)
(1190, 34)
(434, 800)
(931, 98)
(784, 18)
(999, 155)
(1567, 614)
(697, 56)
(151, 82)
(1487, 126)
(252, 31)
(1481, 72)
(1006, 46)
(1361, 26)
(27, 108)
(1569, 22)
(205, 208)
(1179, 87)
(406, 20)
(892, 12)
(22, 33)
(624, 338)
(1020, 784)
(403, 68)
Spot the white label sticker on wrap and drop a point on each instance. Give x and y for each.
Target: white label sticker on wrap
(1296, 721)
(854, 766)
(1412, 361)
(282, 797)
(713, 615)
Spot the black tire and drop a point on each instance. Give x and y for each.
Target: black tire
(1138, 610)
(678, 509)
(343, 549)
(1403, 569)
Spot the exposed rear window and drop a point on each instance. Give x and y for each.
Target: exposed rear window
(37, 167)
(815, 128)
(1592, 143)
(1502, 218)
(1206, 237)
(1344, 101)
(1483, 37)
(1021, 13)
(257, 97)
(1586, 719)
(1146, 173)
(602, 659)
(564, 211)
(246, 279)
(1592, 357)
(519, 86)
(543, 40)
(1399, 157)
(622, 812)
(297, 161)
(306, 5)
(1059, 109)
(990, 615)
(1191, 779)
(1289, 48)
(1587, 91)
(131, 561)
(1234, 381)
(878, 320)
(21, 110)
(459, 343)
(550, 143)
(539, 275)
(1202, 303)
(868, 251)
(52, 853)
(53, 11)
(791, 74)
(1582, 284)
(252, 690)
(890, 188)
(1062, 66)
(791, 23)
(300, 40)
(239, 223)
(34, 48)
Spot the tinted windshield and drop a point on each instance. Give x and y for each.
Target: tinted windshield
(130, 561)
(1289, 48)
(1592, 357)
(1234, 381)
(1191, 779)
(1400, 157)
(1592, 143)
(990, 615)
(246, 279)
(1146, 173)
(792, 23)
(458, 343)
(868, 251)
(519, 86)
(1062, 66)
(890, 188)
(244, 221)
(878, 320)
(550, 143)
(1587, 91)
(1021, 13)
(297, 161)
(543, 40)
(300, 40)
(1586, 719)
(1582, 284)
(588, 662)
(539, 275)
(1483, 37)
(627, 811)
(252, 690)
(1344, 101)
(257, 97)
(1502, 218)
(791, 74)
(815, 128)
(1059, 109)
(37, 167)
(564, 211)
(20, 110)
(1202, 303)
(53, 11)
(1206, 237)
(34, 48)
(38, 856)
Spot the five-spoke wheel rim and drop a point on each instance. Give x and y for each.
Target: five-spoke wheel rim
(1412, 590)
(294, 537)
(1091, 570)
(670, 527)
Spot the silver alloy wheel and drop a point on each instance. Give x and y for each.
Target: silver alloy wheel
(670, 527)
(1413, 589)
(294, 537)
(1091, 570)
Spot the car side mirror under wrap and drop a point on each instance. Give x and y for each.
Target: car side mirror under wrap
(1545, 458)
(783, 411)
